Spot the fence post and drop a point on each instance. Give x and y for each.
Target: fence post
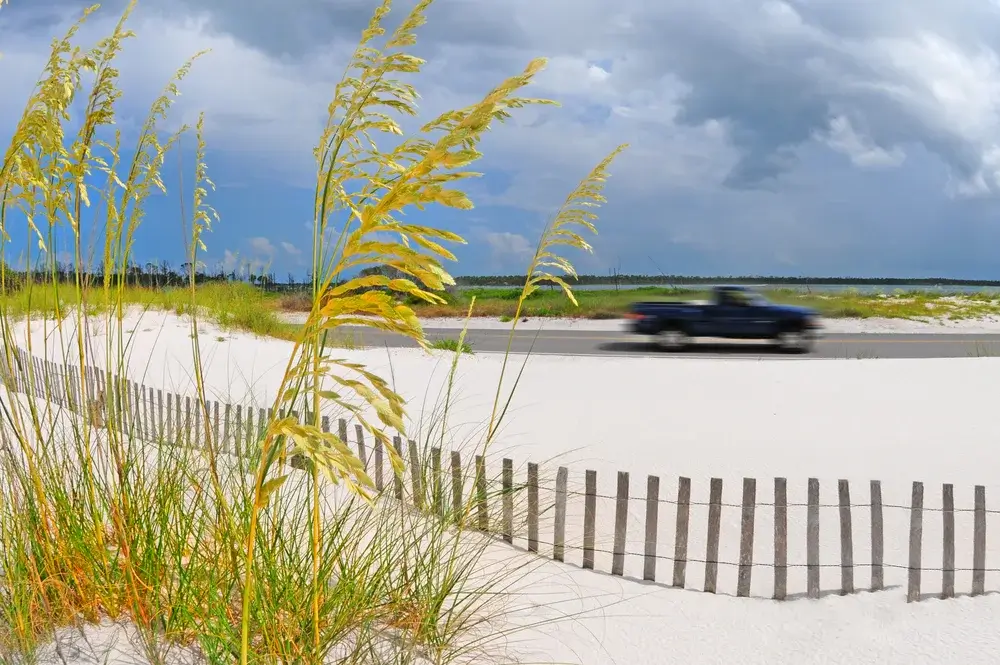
(979, 543)
(846, 539)
(621, 525)
(187, 423)
(379, 466)
(456, 483)
(507, 494)
(652, 524)
(397, 478)
(916, 542)
(227, 428)
(780, 538)
(532, 507)
(589, 519)
(359, 432)
(217, 428)
(714, 524)
(812, 540)
(878, 538)
(481, 500)
(559, 528)
(681, 538)
(746, 537)
(415, 478)
(948, 553)
(436, 481)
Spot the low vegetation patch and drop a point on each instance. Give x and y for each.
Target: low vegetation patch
(611, 304)
(453, 345)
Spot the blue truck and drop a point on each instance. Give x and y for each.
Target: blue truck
(735, 312)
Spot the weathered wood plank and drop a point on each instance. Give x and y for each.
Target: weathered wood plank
(621, 525)
(652, 526)
(916, 542)
(714, 525)
(780, 538)
(746, 537)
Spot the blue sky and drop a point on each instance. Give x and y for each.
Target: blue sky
(787, 138)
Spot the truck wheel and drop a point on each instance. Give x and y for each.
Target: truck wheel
(672, 339)
(795, 341)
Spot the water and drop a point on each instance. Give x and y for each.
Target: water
(861, 288)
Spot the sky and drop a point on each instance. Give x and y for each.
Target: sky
(804, 137)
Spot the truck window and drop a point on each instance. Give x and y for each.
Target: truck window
(732, 298)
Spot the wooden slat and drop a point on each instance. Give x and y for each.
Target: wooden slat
(239, 436)
(437, 490)
(507, 495)
(681, 538)
(359, 434)
(621, 525)
(878, 537)
(197, 434)
(342, 432)
(171, 437)
(227, 429)
(397, 478)
(916, 542)
(482, 507)
(652, 526)
(746, 537)
(846, 539)
(559, 528)
(458, 510)
(217, 428)
(780, 538)
(979, 542)
(416, 475)
(187, 422)
(138, 393)
(178, 422)
(589, 518)
(812, 540)
(532, 507)
(379, 465)
(712, 546)
(948, 546)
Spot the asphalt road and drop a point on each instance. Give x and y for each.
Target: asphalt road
(588, 343)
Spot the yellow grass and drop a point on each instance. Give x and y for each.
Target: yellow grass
(243, 558)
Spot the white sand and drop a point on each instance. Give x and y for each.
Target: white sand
(980, 326)
(893, 420)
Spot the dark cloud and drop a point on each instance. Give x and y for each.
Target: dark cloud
(768, 136)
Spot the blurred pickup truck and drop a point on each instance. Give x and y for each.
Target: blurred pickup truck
(734, 313)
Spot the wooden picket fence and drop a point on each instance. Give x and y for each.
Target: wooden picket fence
(161, 415)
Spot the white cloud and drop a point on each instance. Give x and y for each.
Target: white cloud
(261, 246)
(736, 109)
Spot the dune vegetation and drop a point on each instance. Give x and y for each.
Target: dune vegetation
(244, 559)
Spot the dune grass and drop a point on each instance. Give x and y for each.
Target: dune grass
(244, 558)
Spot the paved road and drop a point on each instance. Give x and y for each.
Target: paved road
(587, 343)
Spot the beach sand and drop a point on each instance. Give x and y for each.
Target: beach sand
(895, 421)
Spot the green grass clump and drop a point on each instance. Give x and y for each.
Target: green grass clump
(244, 557)
(451, 345)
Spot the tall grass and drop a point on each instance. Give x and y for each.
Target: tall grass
(240, 558)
